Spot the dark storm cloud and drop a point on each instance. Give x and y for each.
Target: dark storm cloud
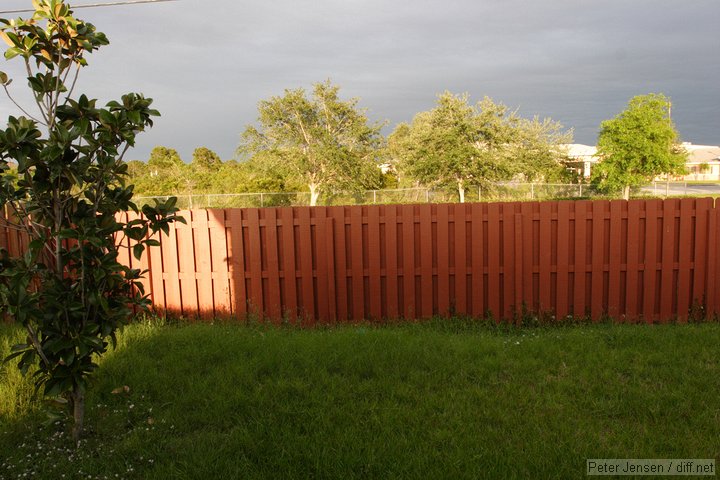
(208, 63)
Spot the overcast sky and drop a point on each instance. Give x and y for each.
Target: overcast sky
(207, 63)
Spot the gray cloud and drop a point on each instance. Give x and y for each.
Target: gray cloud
(208, 63)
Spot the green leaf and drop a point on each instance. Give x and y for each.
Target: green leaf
(138, 250)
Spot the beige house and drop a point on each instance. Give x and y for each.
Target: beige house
(703, 163)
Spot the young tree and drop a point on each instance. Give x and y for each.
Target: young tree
(68, 290)
(457, 145)
(638, 145)
(323, 141)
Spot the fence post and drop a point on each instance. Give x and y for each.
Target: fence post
(532, 191)
(262, 200)
(427, 195)
(374, 196)
(580, 190)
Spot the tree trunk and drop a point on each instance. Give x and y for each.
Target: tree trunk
(78, 406)
(461, 192)
(626, 192)
(314, 195)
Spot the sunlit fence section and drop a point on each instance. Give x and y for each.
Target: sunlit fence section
(644, 260)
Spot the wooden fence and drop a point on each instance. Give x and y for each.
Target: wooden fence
(642, 260)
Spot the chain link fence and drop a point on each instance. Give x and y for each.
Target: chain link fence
(508, 191)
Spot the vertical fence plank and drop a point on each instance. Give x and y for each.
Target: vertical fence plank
(426, 257)
(304, 239)
(341, 262)
(711, 307)
(477, 276)
(518, 273)
(219, 259)
(597, 285)
(236, 254)
(331, 269)
(507, 286)
(546, 250)
(563, 261)
(461, 262)
(667, 266)
(289, 264)
(408, 247)
(703, 208)
(358, 268)
(170, 272)
(580, 267)
(527, 255)
(186, 260)
(323, 289)
(651, 264)
(155, 275)
(374, 275)
(632, 298)
(391, 262)
(255, 256)
(685, 251)
(273, 299)
(493, 278)
(614, 238)
(203, 267)
(442, 249)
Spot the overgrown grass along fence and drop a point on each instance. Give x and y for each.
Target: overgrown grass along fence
(496, 192)
(643, 260)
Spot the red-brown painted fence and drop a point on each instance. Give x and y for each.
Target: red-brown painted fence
(642, 260)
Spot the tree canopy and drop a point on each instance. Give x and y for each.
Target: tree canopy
(322, 141)
(457, 145)
(637, 145)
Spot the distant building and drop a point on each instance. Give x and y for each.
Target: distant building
(581, 158)
(703, 162)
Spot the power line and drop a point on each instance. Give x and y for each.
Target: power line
(92, 5)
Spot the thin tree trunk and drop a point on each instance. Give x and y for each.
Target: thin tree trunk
(78, 405)
(314, 195)
(626, 192)
(461, 192)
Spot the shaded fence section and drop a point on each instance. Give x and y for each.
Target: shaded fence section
(643, 260)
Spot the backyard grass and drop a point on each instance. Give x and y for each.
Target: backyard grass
(443, 399)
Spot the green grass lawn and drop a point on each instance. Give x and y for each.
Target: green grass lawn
(445, 399)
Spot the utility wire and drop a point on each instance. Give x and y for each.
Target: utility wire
(92, 5)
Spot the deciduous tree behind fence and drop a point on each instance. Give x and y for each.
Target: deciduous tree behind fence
(643, 260)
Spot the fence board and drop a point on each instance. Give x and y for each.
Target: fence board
(289, 263)
(668, 257)
(493, 247)
(274, 301)
(426, 258)
(613, 239)
(580, 266)
(477, 257)
(374, 253)
(392, 303)
(408, 256)
(442, 250)
(563, 262)
(304, 241)
(597, 284)
(236, 254)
